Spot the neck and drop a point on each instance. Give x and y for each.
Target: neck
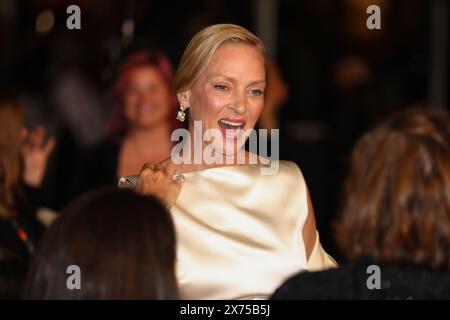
(190, 160)
(155, 135)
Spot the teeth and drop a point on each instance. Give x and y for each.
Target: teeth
(231, 123)
(234, 132)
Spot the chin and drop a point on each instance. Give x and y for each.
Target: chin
(144, 124)
(233, 147)
(150, 122)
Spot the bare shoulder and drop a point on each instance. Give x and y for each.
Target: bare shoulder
(291, 167)
(289, 171)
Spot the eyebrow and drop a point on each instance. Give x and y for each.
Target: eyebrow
(234, 80)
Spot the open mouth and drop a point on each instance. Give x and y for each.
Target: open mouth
(231, 128)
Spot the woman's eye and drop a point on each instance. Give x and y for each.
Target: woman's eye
(256, 92)
(221, 87)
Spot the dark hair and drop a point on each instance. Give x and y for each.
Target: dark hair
(397, 203)
(123, 243)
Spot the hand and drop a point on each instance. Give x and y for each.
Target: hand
(35, 154)
(157, 180)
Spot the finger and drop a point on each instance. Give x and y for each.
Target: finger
(37, 137)
(159, 167)
(153, 166)
(165, 162)
(146, 174)
(49, 146)
(148, 165)
(144, 177)
(31, 139)
(170, 169)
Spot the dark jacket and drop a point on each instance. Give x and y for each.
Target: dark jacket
(352, 281)
(22, 234)
(98, 167)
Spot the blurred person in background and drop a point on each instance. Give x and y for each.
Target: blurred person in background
(276, 95)
(141, 124)
(396, 215)
(23, 159)
(123, 243)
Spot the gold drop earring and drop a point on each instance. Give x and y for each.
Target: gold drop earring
(181, 115)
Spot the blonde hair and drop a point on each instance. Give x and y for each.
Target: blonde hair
(202, 47)
(11, 123)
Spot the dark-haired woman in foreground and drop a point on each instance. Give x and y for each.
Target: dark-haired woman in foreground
(396, 216)
(122, 242)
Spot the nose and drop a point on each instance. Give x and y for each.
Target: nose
(239, 104)
(146, 97)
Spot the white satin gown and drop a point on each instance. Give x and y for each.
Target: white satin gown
(239, 232)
